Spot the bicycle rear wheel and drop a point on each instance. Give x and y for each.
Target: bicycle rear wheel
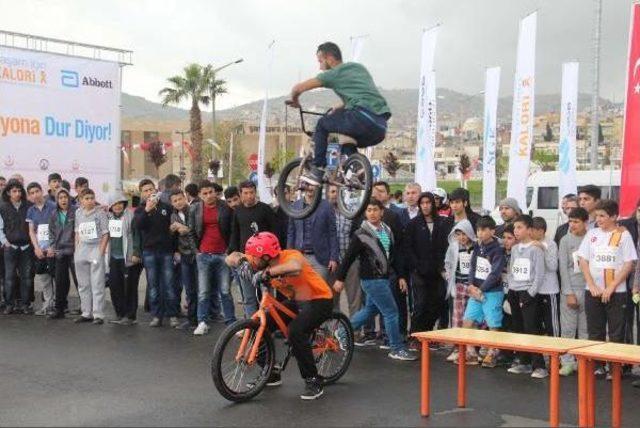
(291, 188)
(235, 378)
(333, 347)
(356, 191)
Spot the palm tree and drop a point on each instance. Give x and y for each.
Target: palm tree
(193, 86)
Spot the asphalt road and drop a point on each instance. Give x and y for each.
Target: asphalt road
(60, 373)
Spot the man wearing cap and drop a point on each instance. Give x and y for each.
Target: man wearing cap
(509, 211)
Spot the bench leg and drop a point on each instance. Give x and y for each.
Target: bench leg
(424, 382)
(582, 392)
(462, 375)
(554, 390)
(591, 394)
(616, 395)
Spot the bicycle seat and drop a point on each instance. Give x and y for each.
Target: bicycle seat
(342, 139)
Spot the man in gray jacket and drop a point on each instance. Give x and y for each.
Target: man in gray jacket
(573, 319)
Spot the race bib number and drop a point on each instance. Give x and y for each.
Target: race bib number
(43, 233)
(87, 231)
(483, 268)
(605, 257)
(115, 228)
(521, 269)
(576, 262)
(464, 263)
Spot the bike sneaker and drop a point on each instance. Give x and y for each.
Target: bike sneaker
(540, 373)
(365, 340)
(275, 379)
(313, 176)
(202, 329)
(312, 389)
(520, 369)
(155, 322)
(403, 355)
(453, 356)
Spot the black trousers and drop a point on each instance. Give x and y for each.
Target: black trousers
(525, 318)
(123, 285)
(549, 314)
(310, 314)
(428, 301)
(63, 263)
(603, 317)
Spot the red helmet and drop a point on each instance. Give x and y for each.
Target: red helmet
(263, 243)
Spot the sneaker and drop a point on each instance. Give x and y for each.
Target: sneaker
(27, 311)
(312, 389)
(41, 313)
(520, 369)
(186, 325)
(483, 352)
(600, 371)
(155, 322)
(403, 355)
(490, 360)
(202, 329)
(470, 360)
(8, 310)
(363, 341)
(275, 379)
(82, 319)
(414, 345)
(636, 383)
(115, 321)
(174, 322)
(453, 357)
(313, 176)
(55, 316)
(385, 345)
(98, 321)
(567, 369)
(126, 321)
(540, 373)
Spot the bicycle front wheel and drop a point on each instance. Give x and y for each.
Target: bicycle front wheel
(354, 194)
(296, 198)
(333, 347)
(234, 377)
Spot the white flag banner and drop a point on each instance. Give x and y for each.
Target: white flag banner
(426, 130)
(264, 183)
(568, 182)
(491, 88)
(522, 114)
(357, 43)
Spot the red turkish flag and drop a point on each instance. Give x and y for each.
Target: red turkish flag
(630, 174)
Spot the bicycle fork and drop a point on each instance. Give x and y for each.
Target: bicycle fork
(253, 352)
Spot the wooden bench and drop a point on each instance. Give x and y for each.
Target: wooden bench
(615, 353)
(463, 337)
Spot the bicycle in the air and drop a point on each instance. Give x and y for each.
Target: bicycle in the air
(352, 176)
(244, 356)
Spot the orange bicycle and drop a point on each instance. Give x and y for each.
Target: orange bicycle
(244, 356)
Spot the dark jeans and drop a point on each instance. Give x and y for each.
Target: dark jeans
(63, 263)
(160, 283)
(123, 285)
(310, 314)
(429, 294)
(22, 261)
(214, 279)
(603, 317)
(189, 281)
(367, 128)
(525, 319)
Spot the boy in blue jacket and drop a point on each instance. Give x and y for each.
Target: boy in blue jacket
(485, 287)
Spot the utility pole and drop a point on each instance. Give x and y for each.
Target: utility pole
(183, 172)
(212, 94)
(596, 84)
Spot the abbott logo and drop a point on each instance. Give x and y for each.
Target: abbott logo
(70, 79)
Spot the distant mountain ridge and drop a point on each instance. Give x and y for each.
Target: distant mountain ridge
(403, 104)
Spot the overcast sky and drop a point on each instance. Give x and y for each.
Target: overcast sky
(165, 35)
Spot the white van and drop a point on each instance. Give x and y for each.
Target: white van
(542, 192)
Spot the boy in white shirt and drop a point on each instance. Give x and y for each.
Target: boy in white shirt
(607, 257)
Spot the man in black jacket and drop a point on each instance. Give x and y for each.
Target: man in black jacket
(374, 246)
(425, 246)
(18, 253)
(153, 219)
(249, 218)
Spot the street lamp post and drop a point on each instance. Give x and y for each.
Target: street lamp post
(182, 173)
(213, 95)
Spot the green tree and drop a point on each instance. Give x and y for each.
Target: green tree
(464, 165)
(281, 158)
(157, 155)
(391, 164)
(546, 159)
(222, 151)
(193, 87)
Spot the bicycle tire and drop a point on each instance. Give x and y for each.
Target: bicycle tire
(287, 206)
(367, 182)
(343, 321)
(216, 362)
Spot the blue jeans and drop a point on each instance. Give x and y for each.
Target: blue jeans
(379, 298)
(214, 278)
(367, 128)
(189, 281)
(160, 283)
(22, 261)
